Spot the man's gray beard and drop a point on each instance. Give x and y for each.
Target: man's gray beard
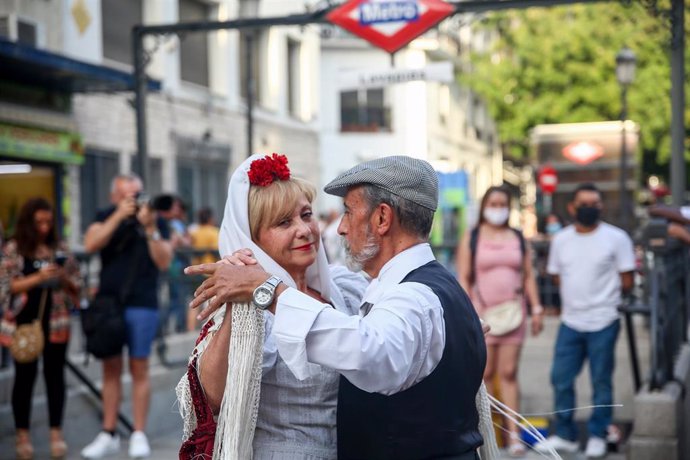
(355, 262)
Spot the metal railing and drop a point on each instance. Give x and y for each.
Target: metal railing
(665, 300)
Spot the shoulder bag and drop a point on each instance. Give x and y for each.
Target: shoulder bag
(28, 339)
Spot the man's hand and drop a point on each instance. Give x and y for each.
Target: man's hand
(485, 326)
(226, 284)
(126, 208)
(147, 217)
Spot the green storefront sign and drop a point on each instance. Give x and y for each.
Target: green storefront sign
(37, 144)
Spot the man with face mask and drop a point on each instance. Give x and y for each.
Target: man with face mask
(593, 264)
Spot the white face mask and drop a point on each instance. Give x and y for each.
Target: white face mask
(496, 216)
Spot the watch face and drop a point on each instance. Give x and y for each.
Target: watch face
(263, 296)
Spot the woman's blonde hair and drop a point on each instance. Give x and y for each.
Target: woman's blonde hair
(270, 204)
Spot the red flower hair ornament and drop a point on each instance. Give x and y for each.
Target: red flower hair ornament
(265, 171)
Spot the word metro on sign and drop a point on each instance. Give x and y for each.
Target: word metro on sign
(393, 11)
(389, 24)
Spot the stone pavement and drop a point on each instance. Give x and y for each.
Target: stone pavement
(536, 399)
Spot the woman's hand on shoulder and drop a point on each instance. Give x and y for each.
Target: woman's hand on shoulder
(242, 256)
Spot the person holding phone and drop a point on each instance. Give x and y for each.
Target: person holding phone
(44, 282)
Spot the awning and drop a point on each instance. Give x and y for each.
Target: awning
(28, 65)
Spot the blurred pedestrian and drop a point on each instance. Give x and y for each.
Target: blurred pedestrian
(552, 225)
(172, 209)
(204, 237)
(5, 295)
(593, 263)
(129, 236)
(495, 268)
(43, 282)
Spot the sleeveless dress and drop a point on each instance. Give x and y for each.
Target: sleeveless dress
(498, 279)
(296, 419)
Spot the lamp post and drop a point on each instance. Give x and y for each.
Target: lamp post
(249, 9)
(625, 74)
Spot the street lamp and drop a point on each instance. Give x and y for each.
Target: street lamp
(249, 9)
(625, 74)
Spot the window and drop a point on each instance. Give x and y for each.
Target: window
(256, 67)
(202, 173)
(293, 76)
(194, 45)
(365, 111)
(154, 183)
(118, 17)
(26, 33)
(95, 175)
(203, 184)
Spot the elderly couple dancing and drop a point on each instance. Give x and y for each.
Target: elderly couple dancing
(350, 368)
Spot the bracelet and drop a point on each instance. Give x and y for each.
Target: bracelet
(537, 310)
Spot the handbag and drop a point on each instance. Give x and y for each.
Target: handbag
(104, 326)
(504, 317)
(28, 339)
(103, 322)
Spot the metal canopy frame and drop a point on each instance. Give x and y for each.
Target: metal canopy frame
(675, 14)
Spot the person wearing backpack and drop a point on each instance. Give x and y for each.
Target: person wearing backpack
(494, 264)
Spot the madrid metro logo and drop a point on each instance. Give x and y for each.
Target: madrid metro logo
(389, 24)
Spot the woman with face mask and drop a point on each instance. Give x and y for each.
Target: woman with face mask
(494, 263)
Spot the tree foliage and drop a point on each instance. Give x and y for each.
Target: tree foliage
(557, 65)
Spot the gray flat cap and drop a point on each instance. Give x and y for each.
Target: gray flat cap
(406, 177)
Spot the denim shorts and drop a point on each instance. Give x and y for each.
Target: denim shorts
(142, 325)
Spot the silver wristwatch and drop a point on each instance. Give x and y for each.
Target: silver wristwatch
(264, 294)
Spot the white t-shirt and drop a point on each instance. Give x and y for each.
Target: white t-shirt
(589, 266)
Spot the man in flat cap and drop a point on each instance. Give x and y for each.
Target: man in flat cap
(412, 360)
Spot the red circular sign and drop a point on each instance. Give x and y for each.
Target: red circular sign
(548, 179)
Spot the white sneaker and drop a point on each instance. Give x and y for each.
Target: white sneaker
(596, 447)
(139, 445)
(103, 445)
(556, 443)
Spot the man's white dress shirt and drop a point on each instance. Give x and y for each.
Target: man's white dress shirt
(396, 345)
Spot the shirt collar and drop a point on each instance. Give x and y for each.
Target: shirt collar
(396, 269)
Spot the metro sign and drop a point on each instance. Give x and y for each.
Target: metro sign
(389, 24)
(583, 152)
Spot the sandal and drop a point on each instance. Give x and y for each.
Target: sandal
(24, 449)
(58, 446)
(517, 450)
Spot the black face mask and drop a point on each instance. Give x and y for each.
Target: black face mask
(587, 215)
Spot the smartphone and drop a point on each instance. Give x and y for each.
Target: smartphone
(60, 259)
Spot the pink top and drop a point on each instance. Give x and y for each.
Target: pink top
(498, 278)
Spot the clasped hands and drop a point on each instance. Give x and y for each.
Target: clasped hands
(231, 279)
